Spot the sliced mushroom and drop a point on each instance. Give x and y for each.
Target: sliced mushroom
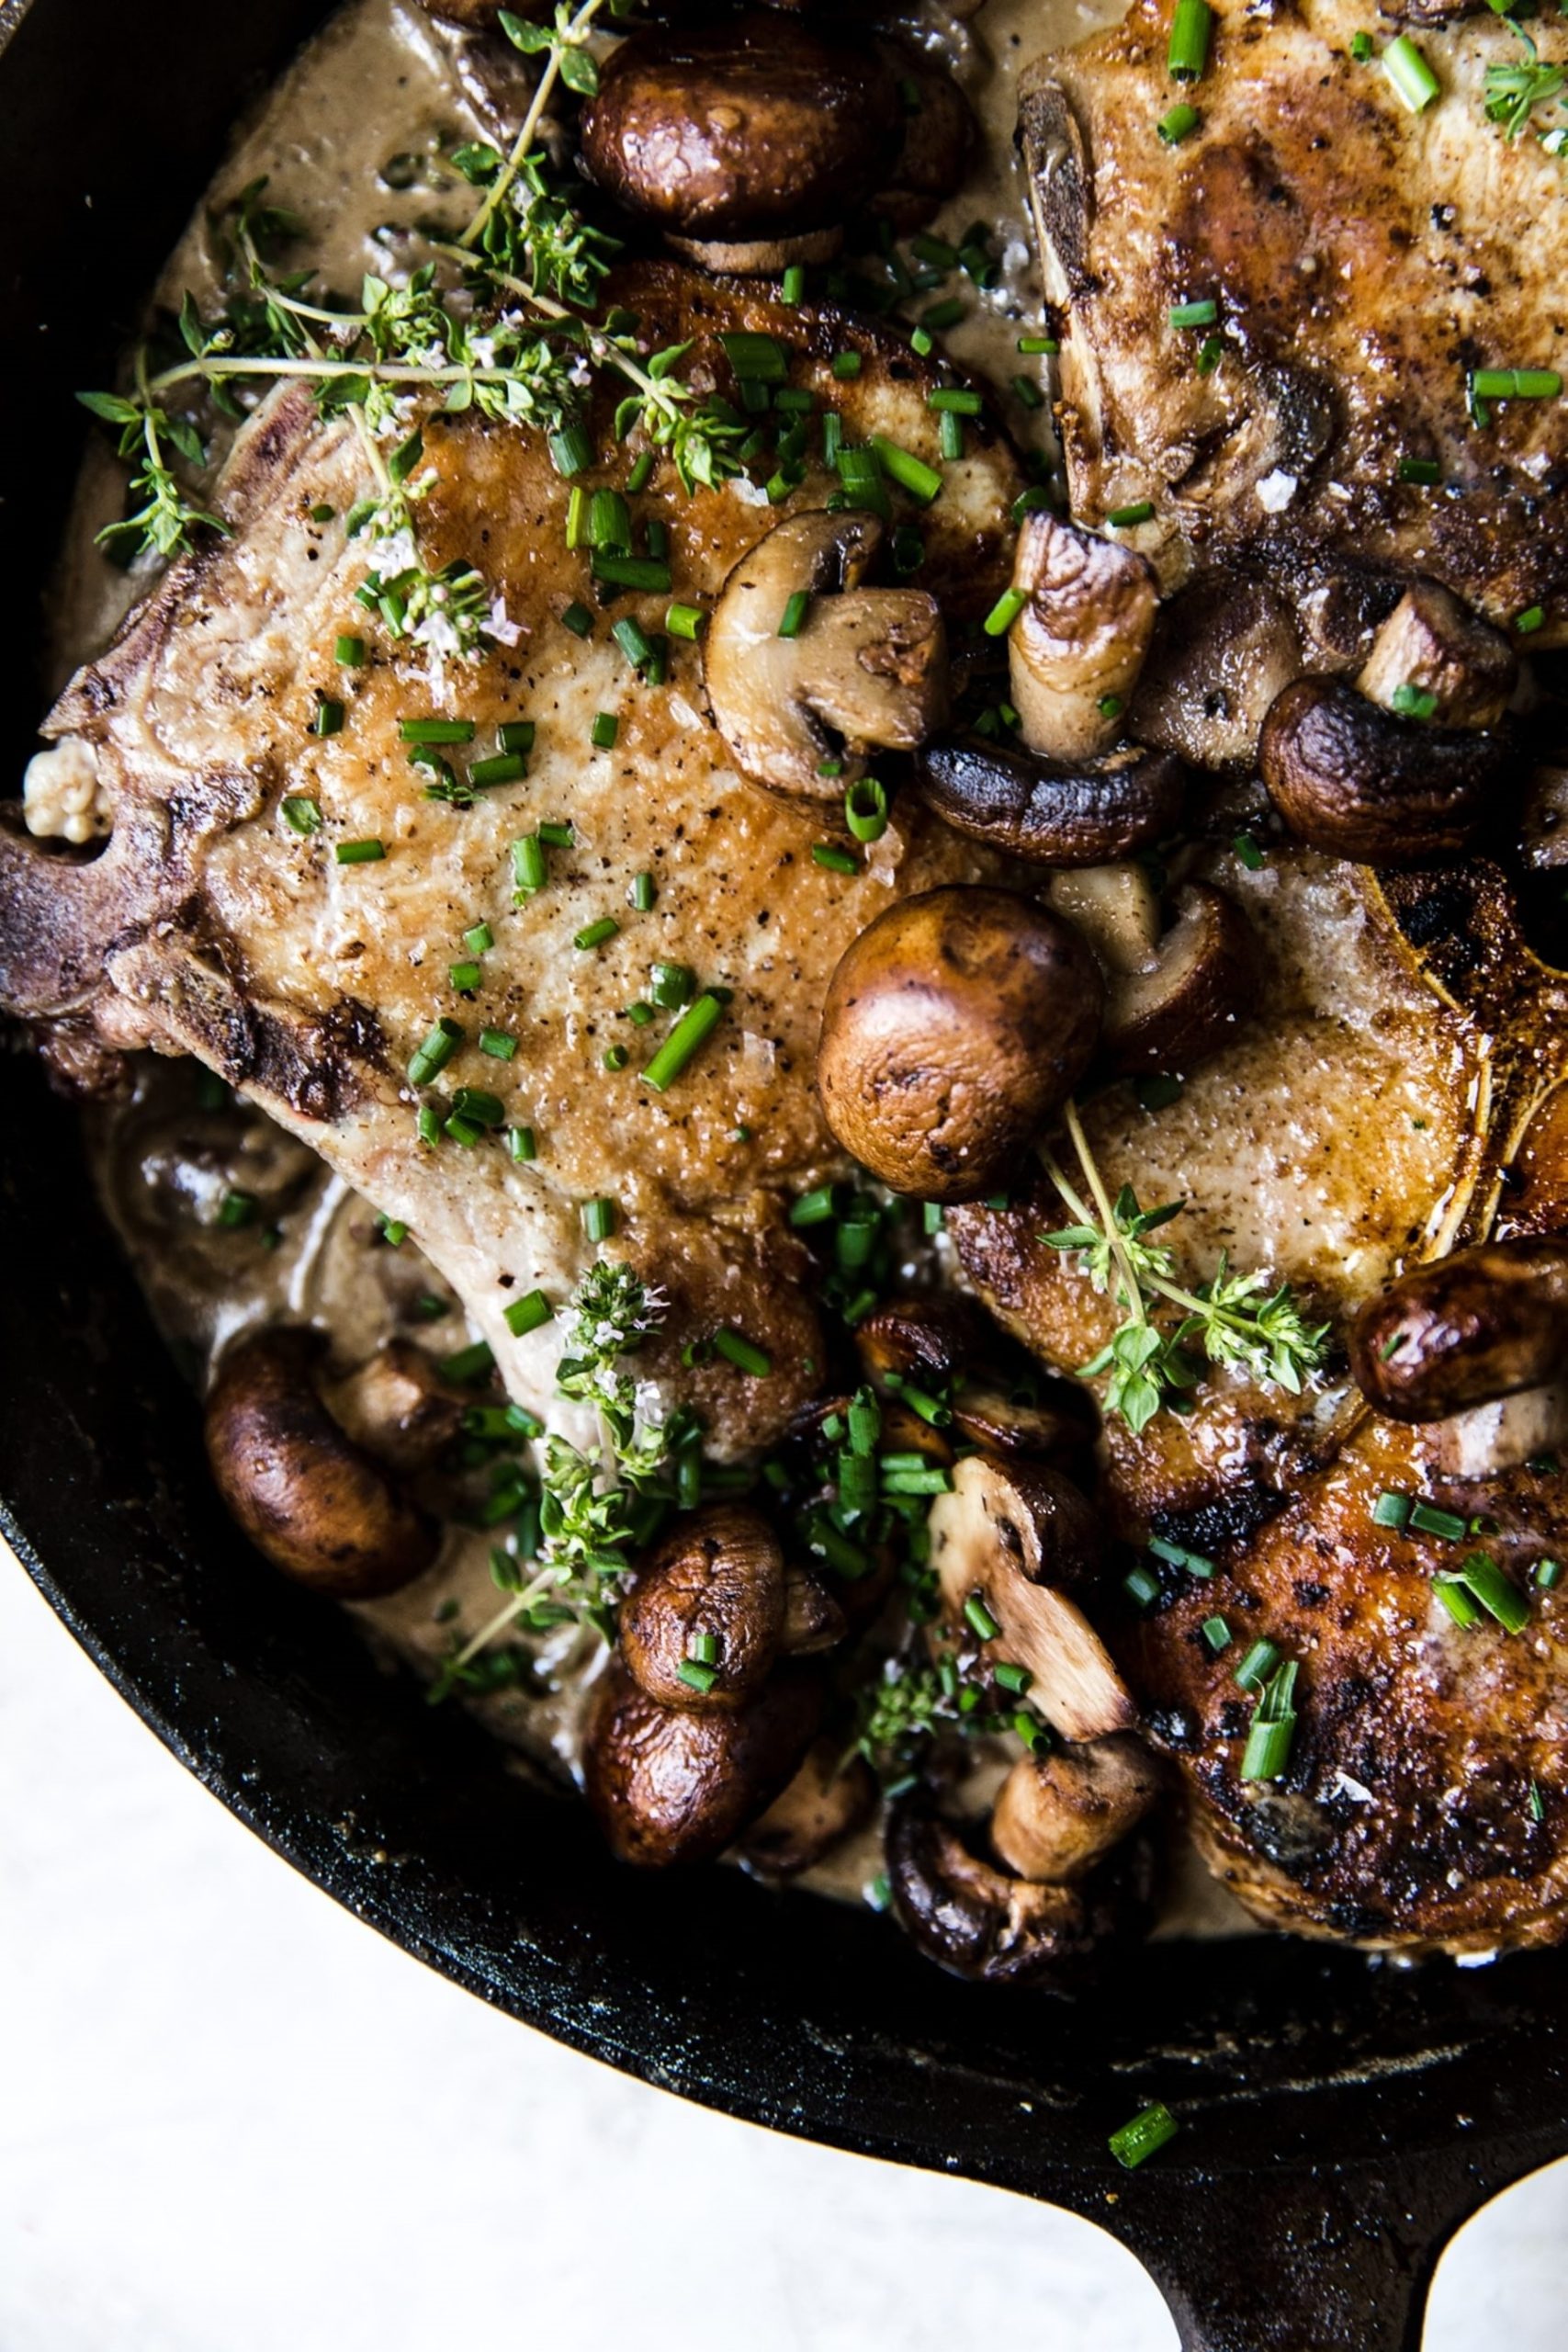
(1203, 981)
(1433, 643)
(1355, 780)
(1075, 651)
(1008, 1535)
(668, 1785)
(397, 1406)
(746, 140)
(939, 133)
(1081, 811)
(867, 666)
(1059, 1430)
(968, 1915)
(704, 1621)
(316, 1504)
(1465, 1330)
(828, 1799)
(1059, 1813)
(952, 1031)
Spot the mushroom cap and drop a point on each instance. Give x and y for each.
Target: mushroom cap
(667, 1785)
(719, 1572)
(1082, 811)
(939, 135)
(1057, 1814)
(753, 125)
(311, 1501)
(830, 1797)
(1465, 1330)
(926, 1336)
(1204, 982)
(865, 666)
(968, 1915)
(953, 1030)
(1352, 779)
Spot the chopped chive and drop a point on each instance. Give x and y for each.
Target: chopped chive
(1012, 1678)
(792, 288)
(301, 814)
(1459, 1601)
(322, 513)
(1189, 33)
(837, 860)
(605, 729)
(696, 1672)
(949, 437)
(979, 1620)
(818, 1207)
(644, 890)
(392, 1230)
(1496, 1592)
(237, 1208)
(865, 810)
(755, 358)
(1425, 470)
(1196, 1564)
(632, 641)
(954, 400)
(1004, 611)
(740, 1352)
(794, 613)
(364, 852)
(521, 1145)
(480, 938)
(1536, 1803)
(641, 474)
(571, 451)
(463, 976)
(1392, 1510)
(1111, 706)
(328, 719)
(349, 652)
(694, 1025)
(1157, 1094)
(436, 731)
(1028, 391)
(499, 1044)
(672, 986)
(1137, 2141)
(1038, 347)
(703, 1647)
(557, 836)
(1273, 1732)
(860, 475)
(1361, 48)
(1516, 383)
(594, 935)
(911, 473)
(504, 767)
(578, 618)
(1194, 314)
(1217, 1634)
(1123, 518)
(516, 735)
(1210, 353)
(847, 366)
(615, 1058)
(1428, 1519)
(469, 1366)
(1257, 1665)
(528, 869)
(599, 1218)
(477, 1103)
(1528, 622)
(530, 1314)
(1414, 702)
(1548, 1574)
(1409, 71)
(1177, 125)
(941, 314)
(576, 517)
(428, 1123)
(649, 575)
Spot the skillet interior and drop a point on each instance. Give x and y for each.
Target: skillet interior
(1339, 2120)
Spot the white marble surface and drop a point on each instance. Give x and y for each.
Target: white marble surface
(233, 2119)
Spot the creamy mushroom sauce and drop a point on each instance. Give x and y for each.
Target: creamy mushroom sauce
(378, 86)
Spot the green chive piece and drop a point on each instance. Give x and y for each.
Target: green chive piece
(794, 613)
(1414, 702)
(599, 1218)
(516, 735)
(1361, 46)
(1528, 622)
(643, 892)
(1548, 1574)
(792, 288)
(819, 1208)
(1428, 1519)
(649, 575)
(349, 652)
(428, 1123)
(697, 1673)
(979, 1620)
(301, 814)
(366, 853)
(322, 513)
(1459, 1601)
(860, 471)
(950, 446)
(1392, 1510)
(1496, 1592)
(837, 860)
(1257, 1665)
(954, 400)
(594, 935)
(436, 731)
(1195, 1563)
(1210, 353)
(1412, 76)
(1177, 125)
(1515, 383)
(571, 451)
(1125, 519)
(1028, 391)
(576, 517)
(694, 1025)
(740, 1352)
(941, 315)
(865, 810)
(468, 1366)
(1273, 1732)
(1217, 1634)
(1004, 611)
(530, 1314)
(480, 939)
(847, 366)
(578, 618)
(615, 1058)
(672, 986)
(476, 1103)
(755, 358)
(520, 1143)
(504, 767)
(685, 620)
(1194, 314)
(605, 729)
(557, 836)
(1157, 1094)
(1425, 470)
(499, 1044)
(463, 976)
(1137, 2141)
(1039, 347)
(528, 868)
(1190, 29)
(632, 641)
(911, 473)
(328, 719)
(237, 1208)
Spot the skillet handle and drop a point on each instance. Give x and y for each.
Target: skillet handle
(1287, 2261)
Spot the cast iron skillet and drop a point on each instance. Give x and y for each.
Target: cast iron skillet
(1338, 2120)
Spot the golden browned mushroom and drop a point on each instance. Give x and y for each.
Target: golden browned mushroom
(1002, 1542)
(1058, 1813)
(968, 1915)
(668, 1785)
(1433, 644)
(748, 141)
(315, 1503)
(1224, 646)
(397, 1406)
(935, 1338)
(1075, 651)
(952, 1031)
(1466, 1330)
(1361, 782)
(867, 667)
(1203, 981)
(703, 1624)
(1117, 908)
(1082, 811)
(827, 1800)
(930, 1337)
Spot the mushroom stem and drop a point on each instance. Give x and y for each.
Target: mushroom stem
(1075, 651)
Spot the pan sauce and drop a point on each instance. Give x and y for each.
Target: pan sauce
(376, 90)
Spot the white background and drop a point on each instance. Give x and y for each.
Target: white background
(233, 2119)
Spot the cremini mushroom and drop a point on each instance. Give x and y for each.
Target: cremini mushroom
(746, 140)
(930, 1337)
(865, 667)
(1203, 979)
(828, 1799)
(704, 1619)
(1067, 812)
(396, 1405)
(970, 1916)
(1117, 908)
(1224, 646)
(953, 1030)
(1465, 1330)
(1361, 782)
(315, 1502)
(1543, 824)
(813, 1620)
(1059, 1813)
(939, 133)
(1433, 644)
(938, 1340)
(1003, 1541)
(668, 1784)
(1076, 647)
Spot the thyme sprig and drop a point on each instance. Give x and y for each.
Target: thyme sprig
(1232, 1318)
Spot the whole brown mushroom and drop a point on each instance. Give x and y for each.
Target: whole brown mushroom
(315, 1502)
(704, 1620)
(1060, 1813)
(968, 1915)
(1361, 782)
(1466, 1330)
(747, 140)
(1082, 811)
(952, 1031)
(668, 1785)
(827, 1800)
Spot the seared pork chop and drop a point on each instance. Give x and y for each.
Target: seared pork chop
(208, 926)
(1362, 260)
